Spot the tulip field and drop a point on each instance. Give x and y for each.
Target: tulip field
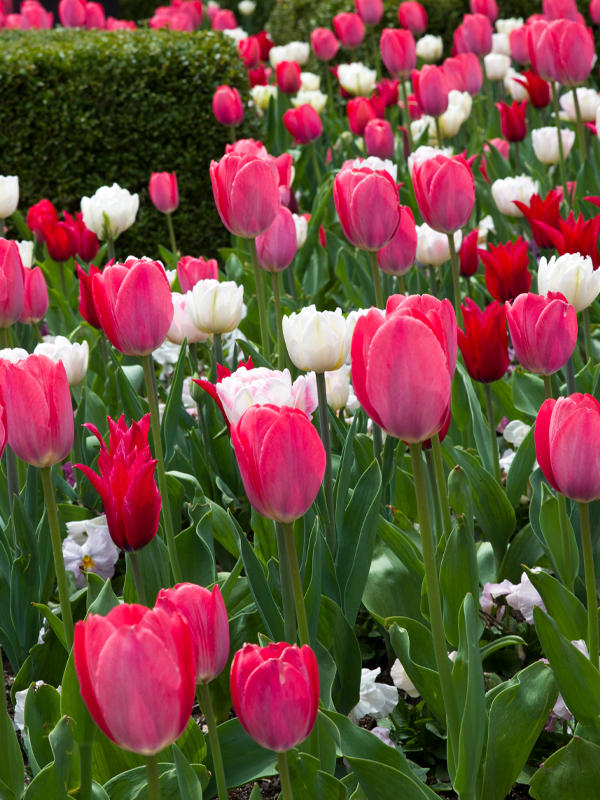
(316, 514)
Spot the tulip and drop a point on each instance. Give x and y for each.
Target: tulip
(277, 247)
(11, 272)
(249, 51)
(445, 192)
(588, 100)
(258, 76)
(431, 89)
(266, 44)
(261, 95)
(496, 66)
(413, 16)
(387, 91)
(513, 120)
(61, 241)
(190, 270)
(113, 24)
(574, 236)
(301, 225)
(519, 44)
(133, 304)
(594, 9)
(110, 211)
(309, 81)
(288, 77)
(356, 79)
(398, 257)
(572, 275)
(303, 123)
(164, 192)
(484, 344)
(9, 195)
(545, 144)
(538, 90)
(507, 270)
(72, 13)
(464, 73)
(349, 29)
(560, 9)
(216, 307)
(317, 341)
(370, 11)
(433, 248)
(87, 309)
(35, 296)
(542, 211)
(223, 20)
(316, 99)
(227, 106)
(39, 215)
(182, 328)
(430, 48)
(360, 112)
(324, 44)
(293, 51)
(73, 355)
(95, 16)
(487, 7)
(474, 35)
(86, 242)
(515, 86)
(398, 52)
(379, 138)
(469, 260)
(509, 190)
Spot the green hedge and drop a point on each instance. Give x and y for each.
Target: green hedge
(81, 109)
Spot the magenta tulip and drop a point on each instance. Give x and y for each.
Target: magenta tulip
(190, 270)
(398, 52)
(72, 13)
(379, 138)
(560, 9)
(464, 73)
(227, 106)
(431, 89)
(95, 16)
(288, 78)
(349, 29)
(474, 35)
(36, 301)
(164, 192)
(398, 257)
(367, 206)
(303, 123)
(277, 247)
(11, 283)
(487, 7)
(412, 15)
(445, 192)
(370, 11)
(324, 44)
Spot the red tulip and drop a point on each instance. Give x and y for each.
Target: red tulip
(431, 89)
(277, 247)
(474, 35)
(507, 269)
(227, 106)
(575, 236)
(413, 16)
(487, 7)
(567, 445)
(445, 192)
(164, 191)
(513, 120)
(370, 11)
(72, 13)
(40, 215)
(398, 52)
(469, 260)
(11, 281)
(360, 111)
(560, 9)
(39, 413)
(246, 194)
(190, 270)
(86, 241)
(519, 44)
(95, 16)
(288, 77)
(303, 123)
(367, 206)
(464, 73)
(36, 301)
(275, 693)
(349, 29)
(484, 344)
(324, 44)
(537, 89)
(546, 211)
(594, 9)
(136, 672)
(133, 304)
(387, 91)
(258, 76)
(249, 51)
(87, 309)
(126, 483)
(61, 241)
(206, 616)
(266, 44)
(379, 139)
(398, 257)
(543, 331)
(224, 20)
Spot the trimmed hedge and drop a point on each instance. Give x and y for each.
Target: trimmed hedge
(81, 109)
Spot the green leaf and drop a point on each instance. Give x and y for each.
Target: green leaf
(244, 760)
(132, 785)
(520, 469)
(170, 418)
(550, 527)
(187, 780)
(155, 568)
(312, 579)
(525, 548)
(12, 771)
(311, 783)
(197, 561)
(342, 481)
(572, 773)
(335, 632)
(480, 429)
(42, 713)
(105, 600)
(528, 392)
(54, 622)
(458, 576)
(132, 404)
(25, 580)
(380, 782)
(52, 782)
(564, 608)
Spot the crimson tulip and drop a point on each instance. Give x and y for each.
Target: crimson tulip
(227, 106)
(370, 11)
(464, 73)
(190, 270)
(560, 9)
(507, 269)
(546, 211)
(360, 112)
(277, 247)
(575, 236)
(398, 257)
(324, 44)
(72, 13)
(303, 123)
(474, 35)
(487, 7)
(469, 260)
(133, 304)
(349, 29)
(398, 52)
(431, 89)
(513, 120)
(484, 343)
(367, 206)
(266, 44)
(249, 51)
(86, 240)
(164, 191)
(519, 44)
(258, 76)
(288, 77)
(224, 20)
(95, 16)
(537, 88)
(61, 241)
(35, 296)
(379, 139)
(594, 9)
(387, 90)
(87, 309)
(11, 279)
(40, 215)
(445, 192)
(413, 16)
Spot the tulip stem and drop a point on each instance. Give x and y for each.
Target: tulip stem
(566, 541)
(561, 154)
(548, 386)
(63, 283)
(284, 777)
(400, 288)
(110, 246)
(153, 777)
(137, 578)
(376, 279)
(488, 95)
(6, 733)
(59, 562)
(434, 600)
(85, 755)
(580, 129)
(517, 158)
(590, 582)
(440, 476)
(326, 439)
(218, 350)
(36, 330)
(104, 349)
(260, 298)
(162, 476)
(587, 333)
(172, 234)
(438, 130)
(315, 162)
(435, 496)
(231, 579)
(377, 443)
(11, 475)
(492, 431)
(290, 544)
(455, 280)
(213, 735)
(570, 375)
(406, 114)
(287, 589)
(279, 320)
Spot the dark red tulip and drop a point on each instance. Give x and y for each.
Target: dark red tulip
(61, 241)
(513, 120)
(469, 259)
(546, 211)
(42, 213)
(537, 88)
(266, 45)
(484, 343)
(575, 236)
(507, 269)
(87, 241)
(87, 309)
(258, 76)
(387, 91)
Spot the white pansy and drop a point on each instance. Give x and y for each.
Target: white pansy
(315, 98)
(357, 79)
(525, 597)
(89, 548)
(500, 44)
(506, 191)
(246, 8)
(515, 432)
(216, 307)
(13, 354)
(9, 195)
(507, 26)
(309, 81)
(401, 679)
(294, 51)
(432, 247)
(74, 356)
(318, 341)
(430, 48)
(182, 326)
(301, 229)
(573, 275)
(376, 700)
(516, 90)
(26, 253)
(262, 95)
(589, 103)
(110, 211)
(424, 153)
(496, 66)
(545, 143)
(237, 34)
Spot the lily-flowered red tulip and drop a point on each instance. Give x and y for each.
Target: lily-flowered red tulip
(164, 191)
(487, 7)
(412, 15)
(379, 138)
(513, 120)
(303, 123)
(543, 331)
(431, 89)
(474, 35)
(133, 304)
(39, 215)
(398, 52)
(281, 459)
(61, 241)
(469, 259)
(398, 257)
(288, 77)
(151, 650)
(360, 111)
(11, 277)
(275, 693)
(367, 206)
(87, 309)
(35, 296)
(484, 343)
(349, 29)
(206, 616)
(277, 247)
(126, 483)
(507, 269)
(39, 413)
(537, 89)
(86, 240)
(445, 192)
(190, 270)
(324, 44)
(227, 106)
(464, 73)
(575, 236)
(546, 211)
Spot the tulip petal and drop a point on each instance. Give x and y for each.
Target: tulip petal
(542, 441)
(575, 455)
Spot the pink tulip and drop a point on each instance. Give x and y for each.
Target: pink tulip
(288, 77)
(445, 192)
(543, 331)
(519, 44)
(224, 20)
(227, 106)
(134, 306)
(398, 257)
(570, 52)
(11, 283)
(136, 670)
(431, 89)
(250, 52)
(324, 44)
(379, 138)
(474, 35)
(36, 301)
(72, 13)
(35, 17)
(303, 123)
(398, 52)
(487, 7)
(164, 192)
(560, 9)
(567, 444)
(95, 16)
(277, 247)
(39, 413)
(464, 73)
(246, 194)
(360, 112)
(113, 24)
(541, 50)
(206, 616)
(349, 29)
(595, 11)
(275, 693)
(190, 270)
(370, 11)
(367, 206)
(412, 15)
(281, 459)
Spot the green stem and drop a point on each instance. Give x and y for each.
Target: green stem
(488, 95)
(435, 495)
(232, 134)
(329, 87)
(11, 475)
(590, 582)
(326, 439)
(406, 114)
(580, 128)
(433, 287)
(440, 476)
(231, 579)
(218, 349)
(213, 735)
(438, 130)
(517, 158)
(279, 320)
(587, 333)
(376, 279)
(110, 242)
(137, 578)
(284, 777)
(153, 777)
(570, 375)
(104, 349)
(3, 338)
(455, 280)
(566, 541)
(287, 590)
(36, 330)
(492, 431)
(400, 288)
(315, 162)
(434, 600)
(548, 386)
(260, 299)
(172, 234)
(561, 155)
(85, 755)
(292, 279)
(63, 282)
(59, 563)
(160, 467)
(377, 443)
(290, 543)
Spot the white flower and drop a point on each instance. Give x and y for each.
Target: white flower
(571, 274)
(315, 98)
(375, 163)
(507, 26)
(337, 386)
(506, 459)
(493, 590)
(517, 91)
(237, 34)
(9, 195)
(262, 95)
(294, 51)
(26, 253)
(167, 355)
(182, 326)
(215, 307)
(376, 699)
(505, 191)
(459, 109)
(256, 387)
(430, 48)
(525, 597)
(309, 81)
(13, 354)
(383, 734)
(496, 66)
(432, 247)
(318, 341)
(589, 102)
(356, 79)
(545, 143)
(110, 211)
(401, 679)
(89, 548)
(424, 153)
(486, 226)
(247, 8)
(73, 355)
(500, 44)
(301, 229)
(171, 275)
(516, 431)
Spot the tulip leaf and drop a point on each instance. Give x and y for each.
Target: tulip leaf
(52, 782)
(12, 771)
(197, 561)
(480, 429)
(133, 784)
(549, 522)
(134, 407)
(42, 713)
(98, 792)
(105, 600)
(395, 578)
(342, 482)
(244, 760)
(153, 560)
(24, 580)
(458, 576)
(572, 773)
(54, 622)
(565, 609)
(187, 780)
(45, 662)
(525, 548)
(170, 418)
(381, 782)
(528, 392)
(313, 577)
(335, 632)
(311, 783)
(520, 469)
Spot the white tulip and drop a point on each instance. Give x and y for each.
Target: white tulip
(262, 95)
(430, 48)
(545, 143)
(432, 247)
(309, 81)
(375, 163)
(73, 355)
(589, 102)
(424, 153)
(315, 98)
(294, 51)
(26, 253)
(356, 79)
(110, 211)
(486, 226)
(375, 699)
(517, 91)
(337, 385)
(216, 307)
(500, 44)
(458, 111)
(237, 34)
(505, 191)
(507, 26)
(89, 548)
(571, 274)
(496, 66)
(13, 354)
(246, 8)
(301, 229)
(9, 195)
(182, 326)
(318, 341)
(419, 126)
(401, 679)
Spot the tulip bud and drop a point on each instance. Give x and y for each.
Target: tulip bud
(277, 247)
(223, 20)
(484, 343)
(398, 52)
(72, 13)
(589, 102)
(317, 341)
(9, 195)
(261, 95)
(445, 192)
(379, 139)
(73, 355)
(182, 328)
(507, 270)
(293, 51)
(11, 273)
(301, 224)
(190, 270)
(303, 123)
(215, 307)
(110, 211)
(367, 206)
(164, 192)
(324, 44)
(431, 89)
(594, 9)
(360, 112)
(227, 106)
(545, 143)
(413, 16)
(349, 29)
(432, 247)
(469, 260)
(35, 296)
(430, 48)
(519, 44)
(572, 275)
(398, 257)
(288, 77)
(87, 309)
